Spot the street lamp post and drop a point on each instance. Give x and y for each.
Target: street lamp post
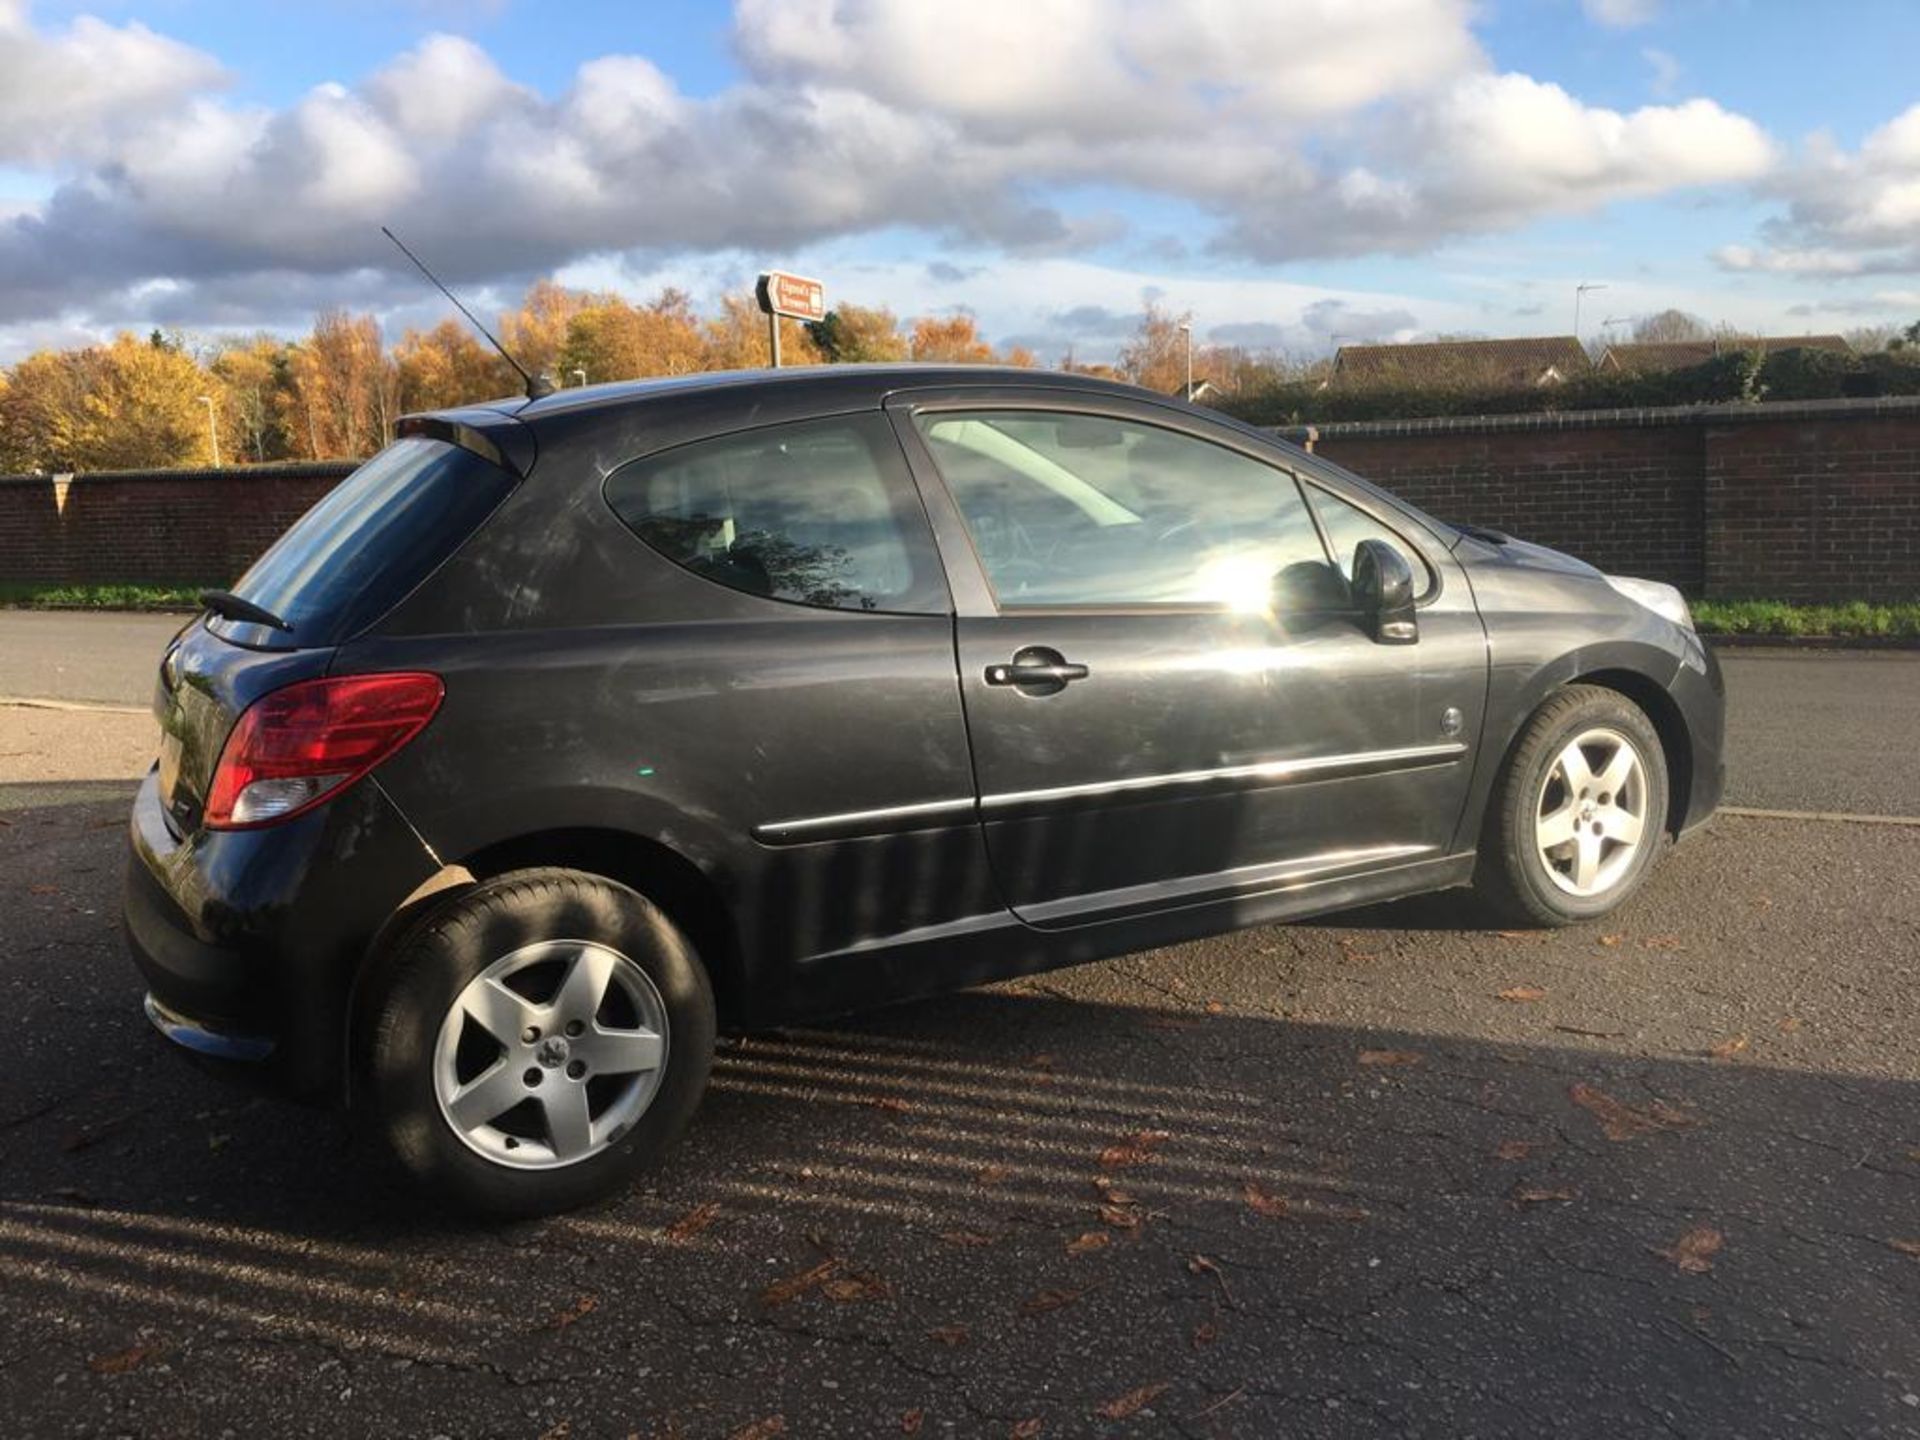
(580, 375)
(1186, 333)
(213, 430)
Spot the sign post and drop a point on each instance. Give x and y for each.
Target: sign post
(794, 296)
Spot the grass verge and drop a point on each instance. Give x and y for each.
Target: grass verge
(100, 597)
(1777, 617)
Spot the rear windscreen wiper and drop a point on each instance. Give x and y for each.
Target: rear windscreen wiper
(232, 607)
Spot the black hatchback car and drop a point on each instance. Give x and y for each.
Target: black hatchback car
(568, 732)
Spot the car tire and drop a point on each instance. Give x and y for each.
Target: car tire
(535, 1042)
(1572, 828)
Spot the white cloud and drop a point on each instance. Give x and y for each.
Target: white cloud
(1620, 14)
(1847, 214)
(68, 96)
(1314, 128)
(1666, 71)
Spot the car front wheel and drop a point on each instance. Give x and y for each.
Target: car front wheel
(537, 1041)
(1579, 812)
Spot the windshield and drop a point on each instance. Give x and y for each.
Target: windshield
(362, 549)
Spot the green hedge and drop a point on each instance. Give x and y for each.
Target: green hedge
(1777, 617)
(1738, 375)
(101, 597)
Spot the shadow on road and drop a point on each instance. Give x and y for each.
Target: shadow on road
(991, 1207)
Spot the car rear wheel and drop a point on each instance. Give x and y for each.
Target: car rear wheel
(536, 1042)
(1579, 811)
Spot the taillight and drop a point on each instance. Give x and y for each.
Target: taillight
(306, 743)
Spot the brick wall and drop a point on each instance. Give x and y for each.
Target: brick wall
(156, 527)
(1803, 500)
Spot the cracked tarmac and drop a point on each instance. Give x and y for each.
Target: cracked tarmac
(1303, 1181)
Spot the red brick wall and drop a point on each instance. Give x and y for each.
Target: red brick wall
(184, 526)
(1807, 500)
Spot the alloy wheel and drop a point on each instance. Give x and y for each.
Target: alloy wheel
(550, 1054)
(1591, 814)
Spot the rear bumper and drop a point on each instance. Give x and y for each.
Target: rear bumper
(249, 941)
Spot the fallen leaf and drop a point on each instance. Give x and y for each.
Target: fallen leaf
(579, 1310)
(911, 1421)
(993, 1174)
(1050, 1300)
(694, 1221)
(1522, 994)
(971, 1239)
(1133, 1402)
(1214, 1007)
(122, 1361)
(43, 889)
(1204, 1334)
(1041, 1061)
(1906, 1247)
(794, 1286)
(559, 1430)
(1620, 1121)
(1121, 1217)
(1513, 1149)
(1084, 1244)
(1611, 940)
(1024, 1430)
(1662, 942)
(1391, 1057)
(765, 1429)
(1112, 1193)
(1693, 1252)
(1517, 934)
(1264, 1202)
(1539, 1194)
(1136, 1150)
(852, 1289)
(1789, 1024)
(1727, 1049)
(955, 1335)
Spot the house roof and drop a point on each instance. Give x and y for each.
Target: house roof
(1528, 360)
(1655, 355)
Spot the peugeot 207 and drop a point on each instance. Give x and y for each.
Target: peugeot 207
(567, 733)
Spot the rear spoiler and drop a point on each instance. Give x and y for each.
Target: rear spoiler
(496, 438)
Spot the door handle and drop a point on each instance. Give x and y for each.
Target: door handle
(1045, 668)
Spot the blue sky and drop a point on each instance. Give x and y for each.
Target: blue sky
(1295, 172)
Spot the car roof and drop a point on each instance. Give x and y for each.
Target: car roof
(841, 381)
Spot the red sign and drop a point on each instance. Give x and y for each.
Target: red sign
(792, 295)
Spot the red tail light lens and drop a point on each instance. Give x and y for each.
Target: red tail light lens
(304, 744)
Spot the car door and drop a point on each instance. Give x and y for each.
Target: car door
(1169, 697)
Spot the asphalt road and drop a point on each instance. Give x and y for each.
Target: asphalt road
(1396, 1175)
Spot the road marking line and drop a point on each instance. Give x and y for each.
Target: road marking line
(94, 707)
(1835, 817)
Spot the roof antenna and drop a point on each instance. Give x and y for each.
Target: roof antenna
(538, 387)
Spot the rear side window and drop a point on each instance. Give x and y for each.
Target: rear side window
(362, 549)
(817, 513)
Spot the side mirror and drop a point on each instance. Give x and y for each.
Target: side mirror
(1383, 592)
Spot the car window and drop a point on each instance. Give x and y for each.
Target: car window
(364, 547)
(1347, 525)
(819, 513)
(1084, 510)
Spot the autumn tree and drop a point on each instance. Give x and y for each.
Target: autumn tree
(614, 340)
(535, 333)
(346, 390)
(254, 386)
(39, 410)
(133, 404)
(1156, 356)
(448, 365)
(949, 340)
(737, 338)
(857, 334)
(1666, 326)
